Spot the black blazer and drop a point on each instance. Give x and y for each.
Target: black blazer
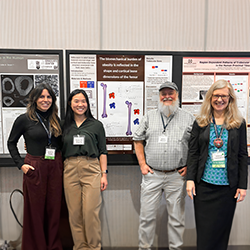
(236, 154)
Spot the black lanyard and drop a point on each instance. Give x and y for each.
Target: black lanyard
(164, 126)
(47, 131)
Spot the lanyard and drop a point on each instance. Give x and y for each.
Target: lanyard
(47, 131)
(164, 126)
(215, 128)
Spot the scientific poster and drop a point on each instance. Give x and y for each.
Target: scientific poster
(121, 88)
(83, 76)
(120, 97)
(19, 74)
(199, 73)
(158, 69)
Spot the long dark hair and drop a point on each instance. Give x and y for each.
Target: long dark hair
(69, 117)
(53, 110)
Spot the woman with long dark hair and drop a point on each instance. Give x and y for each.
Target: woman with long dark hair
(85, 170)
(217, 166)
(42, 168)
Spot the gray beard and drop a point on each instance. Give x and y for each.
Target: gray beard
(167, 110)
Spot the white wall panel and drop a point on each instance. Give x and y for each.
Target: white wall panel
(153, 25)
(50, 24)
(228, 27)
(157, 25)
(172, 25)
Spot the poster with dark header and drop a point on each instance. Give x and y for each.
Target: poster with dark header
(19, 74)
(116, 85)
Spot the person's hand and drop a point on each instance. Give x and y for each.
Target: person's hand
(145, 169)
(183, 171)
(190, 189)
(26, 167)
(104, 182)
(240, 194)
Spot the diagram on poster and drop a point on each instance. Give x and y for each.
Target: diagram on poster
(120, 109)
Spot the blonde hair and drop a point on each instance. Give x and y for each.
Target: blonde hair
(233, 117)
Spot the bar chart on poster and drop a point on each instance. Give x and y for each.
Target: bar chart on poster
(20, 72)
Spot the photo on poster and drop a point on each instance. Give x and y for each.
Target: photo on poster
(202, 94)
(52, 80)
(16, 90)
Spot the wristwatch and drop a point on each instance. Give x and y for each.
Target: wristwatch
(105, 171)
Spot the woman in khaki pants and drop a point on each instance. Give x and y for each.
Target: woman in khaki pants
(85, 170)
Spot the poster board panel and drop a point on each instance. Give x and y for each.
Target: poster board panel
(20, 72)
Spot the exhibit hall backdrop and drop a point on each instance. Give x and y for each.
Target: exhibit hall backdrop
(127, 25)
(123, 85)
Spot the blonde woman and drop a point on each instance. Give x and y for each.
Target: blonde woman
(217, 166)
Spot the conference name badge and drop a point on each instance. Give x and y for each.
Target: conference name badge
(78, 140)
(162, 139)
(50, 153)
(218, 159)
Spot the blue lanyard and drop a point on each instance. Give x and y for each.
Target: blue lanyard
(164, 126)
(47, 131)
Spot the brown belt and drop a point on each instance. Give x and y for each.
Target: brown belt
(167, 171)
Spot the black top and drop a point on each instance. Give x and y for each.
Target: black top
(95, 140)
(35, 136)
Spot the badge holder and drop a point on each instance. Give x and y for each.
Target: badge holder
(218, 159)
(50, 153)
(78, 140)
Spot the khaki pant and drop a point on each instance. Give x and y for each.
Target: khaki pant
(82, 187)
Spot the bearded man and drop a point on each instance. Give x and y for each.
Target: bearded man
(161, 146)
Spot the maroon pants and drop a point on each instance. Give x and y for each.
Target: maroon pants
(42, 189)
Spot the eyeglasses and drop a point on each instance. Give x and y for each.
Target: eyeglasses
(223, 97)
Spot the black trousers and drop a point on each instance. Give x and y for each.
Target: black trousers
(214, 207)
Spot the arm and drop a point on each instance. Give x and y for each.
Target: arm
(192, 161)
(103, 155)
(17, 131)
(242, 157)
(243, 168)
(193, 153)
(185, 141)
(139, 150)
(103, 165)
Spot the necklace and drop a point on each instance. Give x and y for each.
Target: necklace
(218, 142)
